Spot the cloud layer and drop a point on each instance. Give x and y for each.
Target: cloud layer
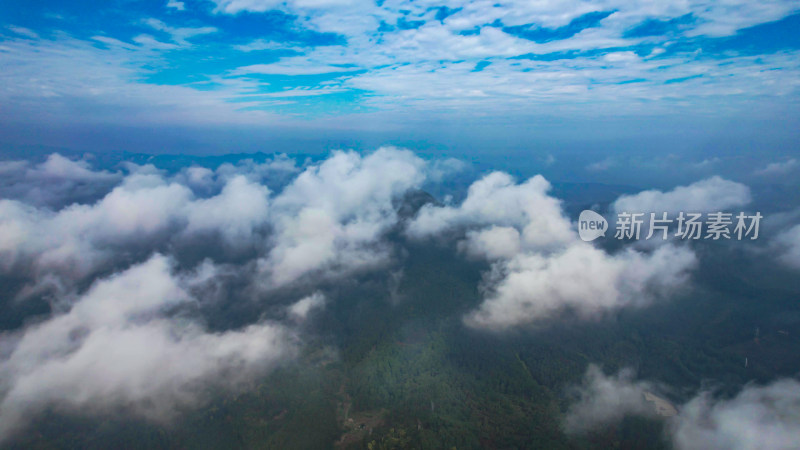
(757, 417)
(330, 219)
(130, 262)
(117, 348)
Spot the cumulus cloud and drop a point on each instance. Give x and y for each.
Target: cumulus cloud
(76, 240)
(329, 219)
(497, 200)
(580, 279)
(765, 417)
(240, 208)
(492, 243)
(61, 168)
(124, 332)
(274, 173)
(712, 194)
(540, 268)
(332, 216)
(117, 348)
(602, 400)
(126, 329)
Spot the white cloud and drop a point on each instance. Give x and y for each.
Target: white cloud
(59, 167)
(236, 6)
(766, 417)
(441, 169)
(76, 240)
(492, 243)
(151, 42)
(180, 35)
(115, 348)
(263, 44)
(9, 168)
(329, 219)
(787, 246)
(716, 20)
(180, 6)
(239, 209)
(47, 73)
(706, 163)
(55, 182)
(333, 215)
(28, 33)
(601, 166)
(131, 342)
(291, 66)
(300, 309)
(541, 270)
(778, 168)
(429, 68)
(709, 195)
(603, 400)
(621, 57)
(581, 279)
(497, 200)
(275, 172)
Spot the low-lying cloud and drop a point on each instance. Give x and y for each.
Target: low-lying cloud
(603, 400)
(758, 417)
(540, 269)
(330, 219)
(117, 347)
(765, 416)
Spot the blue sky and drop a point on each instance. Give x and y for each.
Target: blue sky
(414, 67)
